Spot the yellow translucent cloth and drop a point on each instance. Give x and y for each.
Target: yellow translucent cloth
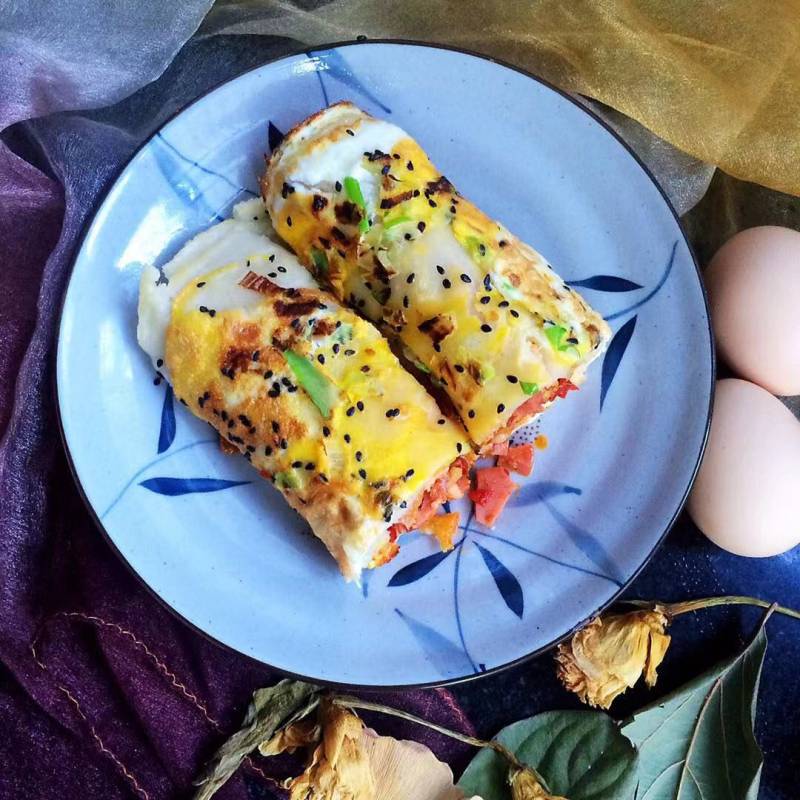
(719, 79)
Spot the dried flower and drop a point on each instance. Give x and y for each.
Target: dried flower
(299, 734)
(611, 653)
(339, 768)
(525, 786)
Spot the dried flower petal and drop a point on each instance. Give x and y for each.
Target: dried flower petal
(288, 739)
(525, 786)
(611, 653)
(339, 767)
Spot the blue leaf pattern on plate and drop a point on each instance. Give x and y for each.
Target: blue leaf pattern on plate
(588, 544)
(507, 584)
(613, 356)
(331, 62)
(541, 490)
(417, 569)
(274, 136)
(177, 486)
(166, 433)
(606, 283)
(448, 657)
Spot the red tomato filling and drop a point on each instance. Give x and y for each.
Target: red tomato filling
(493, 487)
(518, 459)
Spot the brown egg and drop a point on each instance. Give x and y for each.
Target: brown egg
(753, 286)
(746, 498)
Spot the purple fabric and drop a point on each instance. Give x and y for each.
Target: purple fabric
(103, 693)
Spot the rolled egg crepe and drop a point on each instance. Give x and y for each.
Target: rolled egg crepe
(478, 310)
(305, 389)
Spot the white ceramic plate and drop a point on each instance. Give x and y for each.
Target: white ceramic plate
(220, 546)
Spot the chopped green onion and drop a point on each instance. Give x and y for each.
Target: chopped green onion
(554, 334)
(317, 386)
(320, 261)
(352, 188)
(287, 479)
(477, 249)
(529, 388)
(399, 220)
(487, 372)
(422, 368)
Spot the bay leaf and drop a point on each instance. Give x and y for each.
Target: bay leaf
(270, 710)
(698, 742)
(581, 754)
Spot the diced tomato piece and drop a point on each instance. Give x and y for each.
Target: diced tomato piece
(519, 459)
(564, 387)
(493, 487)
(443, 527)
(499, 449)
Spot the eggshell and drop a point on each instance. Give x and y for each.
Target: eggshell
(746, 498)
(753, 285)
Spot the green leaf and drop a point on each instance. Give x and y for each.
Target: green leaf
(529, 388)
(316, 385)
(698, 742)
(270, 710)
(554, 334)
(581, 754)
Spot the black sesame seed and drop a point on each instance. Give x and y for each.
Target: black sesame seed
(485, 299)
(446, 283)
(273, 392)
(338, 186)
(321, 358)
(359, 455)
(250, 449)
(482, 249)
(437, 347)
(256, 355)
(267, 451)
(252, 430)
(502, 243)
(351, 411)
(405, 301)
(201, 284)
(360, 405)
(410, 166)
(157, 381)
(512, 378)
(349, 132)
(458, 368)
(452, 209)
(326, 431)
(420, 226)
(363, 474)
(486, 328)
(336, 347)
(281, 269)
(212, 312)
(440, 269)
(272, 257)
(514, 313)
(385, 169)
(431, 203)
(365, 368)
(286, 382)
(459, 447)
(160, 362)
(284, 444)
(203, 310)
(504, 304)
(231, 423)
(296, 464)
(500, 408)
(571, 340)
(224, 415)
(291, 388)
(323, 478)
(487, 282)
(407, 237)
(471, 413)
(268, 374)
(466, 278)
(404, 504)
(309, 465)
(289, 221)
(272, 274)
(349, 352)
(245, 420)
(409, 473)
(410, 278)
(440, 421)
(276, 426)
(347, 438)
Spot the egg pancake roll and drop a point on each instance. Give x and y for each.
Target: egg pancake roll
(475, 308)
(309, 392)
